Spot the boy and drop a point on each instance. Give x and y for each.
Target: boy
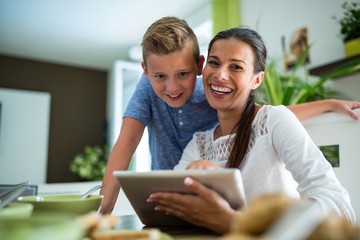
(170, 101)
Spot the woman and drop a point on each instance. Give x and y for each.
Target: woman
(267, 143)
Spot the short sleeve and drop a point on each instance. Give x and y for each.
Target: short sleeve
(139, 106)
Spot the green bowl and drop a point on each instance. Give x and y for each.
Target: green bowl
(16, 210)
(63, 203)
(42, 226)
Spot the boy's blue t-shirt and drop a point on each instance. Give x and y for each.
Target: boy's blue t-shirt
(170, 129)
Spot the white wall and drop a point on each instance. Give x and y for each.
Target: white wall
(276, 18)
(24, 134)
(349, 85)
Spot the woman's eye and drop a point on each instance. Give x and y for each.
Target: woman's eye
(236, 67)
(213, 63)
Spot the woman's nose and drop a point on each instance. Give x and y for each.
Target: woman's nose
(221, 74)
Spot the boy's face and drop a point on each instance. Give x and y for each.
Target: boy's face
(173, 76)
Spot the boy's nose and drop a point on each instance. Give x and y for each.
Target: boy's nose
(173, 86)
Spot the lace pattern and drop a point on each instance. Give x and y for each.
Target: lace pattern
(219, 150)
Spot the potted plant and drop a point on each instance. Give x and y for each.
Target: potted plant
(91, 163)
(290, 89)
(350, 27)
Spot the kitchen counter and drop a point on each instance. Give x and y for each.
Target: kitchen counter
(133, 222)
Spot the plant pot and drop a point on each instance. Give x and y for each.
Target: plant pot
(352, 47)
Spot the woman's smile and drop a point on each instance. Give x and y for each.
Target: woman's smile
(220, 90)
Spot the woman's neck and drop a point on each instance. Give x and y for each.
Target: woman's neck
(227, 122)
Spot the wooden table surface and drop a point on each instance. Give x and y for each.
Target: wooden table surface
(132, 222)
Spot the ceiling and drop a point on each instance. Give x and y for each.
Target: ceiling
(86, 33)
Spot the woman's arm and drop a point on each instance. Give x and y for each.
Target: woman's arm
(315, 176)
(307, 110)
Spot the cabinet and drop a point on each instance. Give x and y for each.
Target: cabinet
(24, 134)
(338, 129)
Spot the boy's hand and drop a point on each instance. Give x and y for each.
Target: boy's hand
(346, 107)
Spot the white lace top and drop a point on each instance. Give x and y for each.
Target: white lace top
(281, 157)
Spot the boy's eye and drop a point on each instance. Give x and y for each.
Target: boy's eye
(159, 77)
(183, 74)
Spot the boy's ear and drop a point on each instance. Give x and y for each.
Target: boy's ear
(200, 64)
(258, 78)
(144, 68)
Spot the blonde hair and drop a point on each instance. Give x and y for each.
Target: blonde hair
(167, 35)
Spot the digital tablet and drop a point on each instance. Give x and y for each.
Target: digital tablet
(138, 186)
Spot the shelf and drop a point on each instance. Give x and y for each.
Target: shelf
(326, 68)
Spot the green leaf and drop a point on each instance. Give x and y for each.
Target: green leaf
(290, 89)
(91, 163)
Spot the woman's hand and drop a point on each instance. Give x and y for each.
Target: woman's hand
(203, 164)
(205, 208)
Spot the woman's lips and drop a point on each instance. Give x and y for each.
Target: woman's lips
(220, 90)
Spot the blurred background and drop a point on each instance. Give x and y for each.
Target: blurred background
(67, 68)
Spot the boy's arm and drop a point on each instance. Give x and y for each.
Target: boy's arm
(307, 110)
(120, 156)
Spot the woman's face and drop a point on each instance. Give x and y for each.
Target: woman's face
(228, 76)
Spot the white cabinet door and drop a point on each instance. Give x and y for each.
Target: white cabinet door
(24, 134)
(339, 129)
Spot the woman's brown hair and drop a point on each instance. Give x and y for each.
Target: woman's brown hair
(243, 127)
